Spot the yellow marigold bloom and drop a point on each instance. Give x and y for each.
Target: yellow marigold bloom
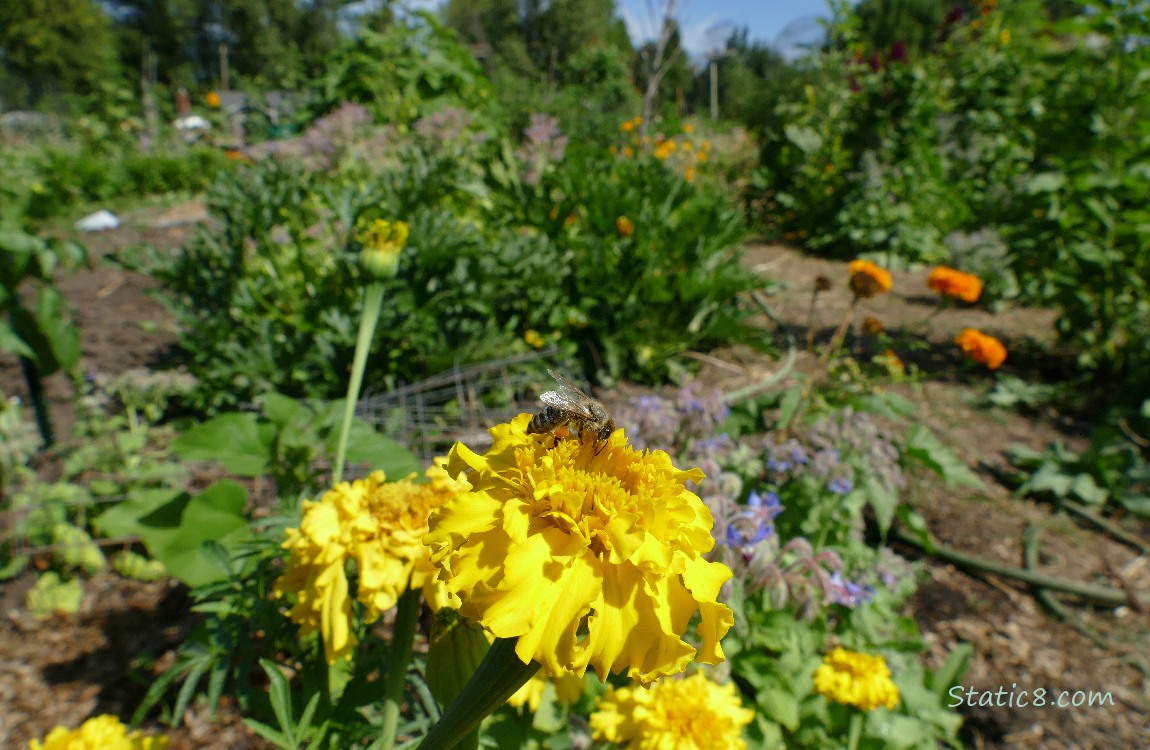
(859, 680)
(689, 174)
(628, 126)
(625, 226)
(673, 714)
(701, 156)
(688, 128)
(380, 526)
(98, 733)
(868, 280)
(589, 554)
(213, 100)
(981, 348)
(568, 690)
(532, 337)
(956, 284)
(382, 243)
(687, 146)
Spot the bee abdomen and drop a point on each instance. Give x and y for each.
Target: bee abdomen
(546, 420)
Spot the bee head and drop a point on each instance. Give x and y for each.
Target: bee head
(606, 430)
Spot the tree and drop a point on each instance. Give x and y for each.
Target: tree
(277, 42)
(55, 47)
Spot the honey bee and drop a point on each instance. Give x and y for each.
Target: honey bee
(570, 406)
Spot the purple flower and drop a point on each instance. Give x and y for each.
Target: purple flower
(840, 485)
(754, 522)
(847, 593)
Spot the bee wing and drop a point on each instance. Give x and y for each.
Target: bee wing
(568, 396)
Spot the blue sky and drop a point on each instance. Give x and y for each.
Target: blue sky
(706, 24)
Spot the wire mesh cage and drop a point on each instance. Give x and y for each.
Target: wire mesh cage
(460, 404)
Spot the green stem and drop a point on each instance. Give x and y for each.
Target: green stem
(856, 730)
(38, 400)
(402, 636)
(1101, 595)
(499, 675)
(372, 304)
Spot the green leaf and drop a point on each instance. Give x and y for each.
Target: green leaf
(789, 406)
(367, 446)
(11, 343)
(948, 675)
(805, 137)
(1088, 490)
(1046, 182)
(174, 527)
(242, 443)
(281, 409)
(924, 447)
(1137, 504)
(882, 500)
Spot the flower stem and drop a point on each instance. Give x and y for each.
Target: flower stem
(855, 731)
(372, 304)
(499, 675)
(402, 636)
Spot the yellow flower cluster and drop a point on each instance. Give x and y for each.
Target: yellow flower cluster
(98, 733)
(854, 679)
(868, 280)
(533, 338)
(981, 348)
(952, 283)
(378, 525)
(588, 553)
(673, 714)
(680, 152)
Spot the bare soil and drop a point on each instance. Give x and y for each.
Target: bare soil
(102, 659)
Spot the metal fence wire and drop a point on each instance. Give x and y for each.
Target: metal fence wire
(460, 404)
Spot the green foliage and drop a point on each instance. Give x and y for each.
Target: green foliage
(1112, 471)
(42, 332)
(267, 293)
(1008, 127)
(286, 442)
(405, 72)
(64, 177)
(54, 47)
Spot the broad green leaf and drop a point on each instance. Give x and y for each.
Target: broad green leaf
(174, 527)
(367, 446)
(240, 442)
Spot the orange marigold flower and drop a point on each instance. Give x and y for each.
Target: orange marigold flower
(956, 284)
(213, 100)
(627, 126)
(868, 280)
(981, 348)
(625, 226)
